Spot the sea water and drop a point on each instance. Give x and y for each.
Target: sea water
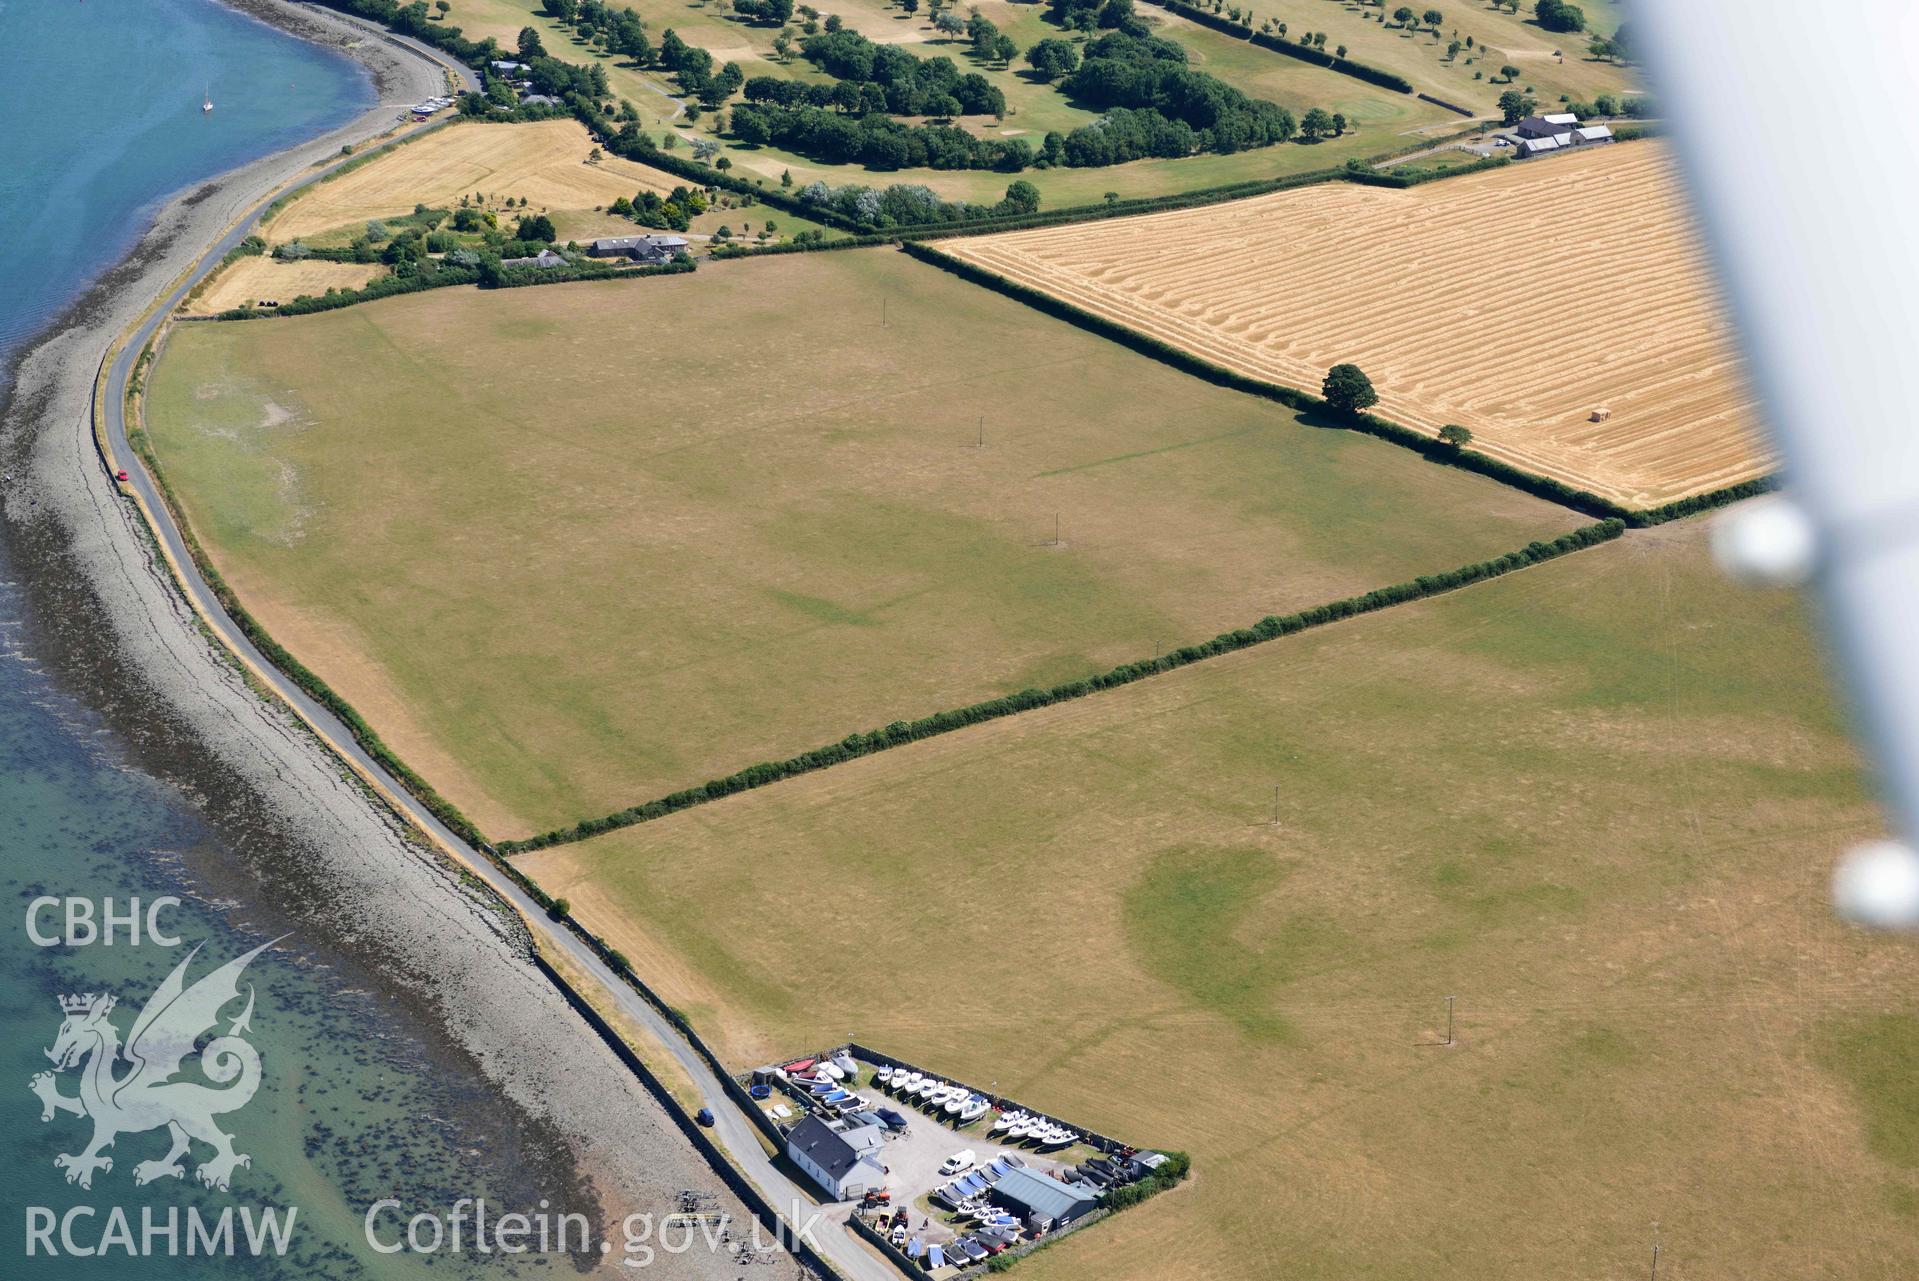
(100, 118)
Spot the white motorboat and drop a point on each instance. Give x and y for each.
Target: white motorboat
(1006, 1120)
(954, 1103)
(925, 1088)
(937, 1099)
(1018, 1130)
(845, 1063)
(882, 1075)
(1059, 1138)
(827, 1069)
(974, 1109)
(906, 1084)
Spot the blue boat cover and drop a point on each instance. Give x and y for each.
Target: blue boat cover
(935, 1258)
(915, 1248)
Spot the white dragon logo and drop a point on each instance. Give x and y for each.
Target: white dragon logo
(147, 1097)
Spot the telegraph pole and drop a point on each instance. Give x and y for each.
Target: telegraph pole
(1449, 1032)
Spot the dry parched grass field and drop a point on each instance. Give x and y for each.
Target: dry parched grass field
(1514, 302)
(250, 279)
(544, 161)
(571, 549)
(1597, 801)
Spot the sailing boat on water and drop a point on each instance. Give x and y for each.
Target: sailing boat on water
(206, 99)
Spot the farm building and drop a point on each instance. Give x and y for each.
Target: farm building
(1042, 1202)
(1548, 126)
(843, 1159)
(1561, 131)
(638, 248)
(545, 260)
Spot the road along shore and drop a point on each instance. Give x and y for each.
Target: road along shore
(112, 623)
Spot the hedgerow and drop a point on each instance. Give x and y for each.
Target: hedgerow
(1467, 459)
(900, 733)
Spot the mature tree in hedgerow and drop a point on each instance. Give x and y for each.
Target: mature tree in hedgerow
(1347, 390)
(1455, 435)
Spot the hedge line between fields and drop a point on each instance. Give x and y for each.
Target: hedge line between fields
(1467, 459)
(1279, 44)
(1450, 106)
(1579, 500)
(900, 733)
(392, 286)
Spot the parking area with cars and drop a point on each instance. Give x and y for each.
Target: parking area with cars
(946, 1174)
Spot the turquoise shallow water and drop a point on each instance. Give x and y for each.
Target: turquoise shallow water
(358, 1097)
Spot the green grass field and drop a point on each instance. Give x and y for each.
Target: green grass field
(573, 548)
(1596, 801)
(1382, 120)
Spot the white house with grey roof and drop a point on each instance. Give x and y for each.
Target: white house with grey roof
(842, 1158)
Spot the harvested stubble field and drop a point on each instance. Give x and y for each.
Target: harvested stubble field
(570, 549)
(251, 279)
(545, 162)
(1596, 801)
(1515, 302)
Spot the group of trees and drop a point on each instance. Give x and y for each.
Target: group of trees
(1091, 15)
(1515, 106)
(876, 77)
(1557, 15)
(874, 139)
(911, 204)
(1618, 47)
(673, 212)
(1407, 16)
(989, 43)
(1158, 106)
(1052, 58)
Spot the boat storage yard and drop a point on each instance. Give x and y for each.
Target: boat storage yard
(949, 1175)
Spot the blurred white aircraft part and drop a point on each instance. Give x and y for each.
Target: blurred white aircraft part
(1808, 206)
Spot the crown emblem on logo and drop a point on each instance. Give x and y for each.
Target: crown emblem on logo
(77, 1004)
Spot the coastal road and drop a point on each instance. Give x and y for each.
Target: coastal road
(733, 1131)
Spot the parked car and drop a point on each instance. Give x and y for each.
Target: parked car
(704, 1116)
(958, 1163)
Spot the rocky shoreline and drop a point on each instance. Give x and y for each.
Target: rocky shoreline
(305, 843)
